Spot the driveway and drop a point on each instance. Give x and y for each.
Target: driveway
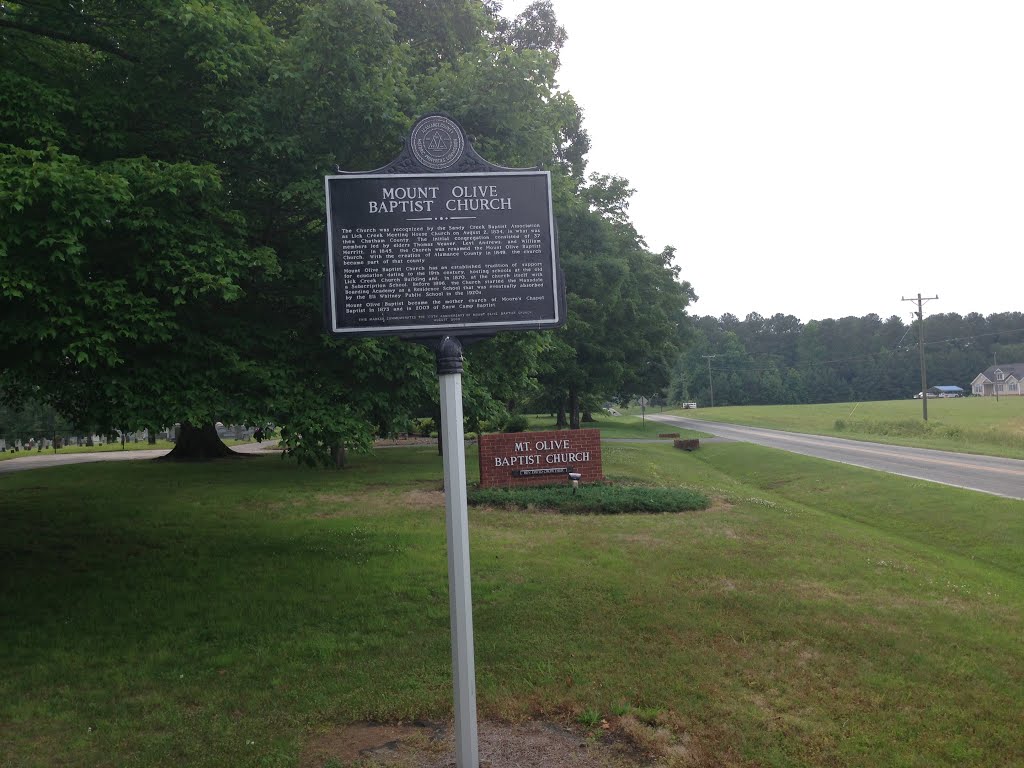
(987, 474)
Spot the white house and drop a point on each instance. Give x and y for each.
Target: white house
(1005, 379)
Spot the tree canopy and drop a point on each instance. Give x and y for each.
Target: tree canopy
(162, 213)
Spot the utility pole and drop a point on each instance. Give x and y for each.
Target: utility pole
(995, 389)
(920, 344)
(711, 386)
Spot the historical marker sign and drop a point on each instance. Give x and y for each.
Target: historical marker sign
(432, 255)
(441, 243)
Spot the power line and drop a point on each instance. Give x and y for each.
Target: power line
(807, 364)
(977, 336)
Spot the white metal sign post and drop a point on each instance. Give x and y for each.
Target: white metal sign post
(442, 247)
(449, 374)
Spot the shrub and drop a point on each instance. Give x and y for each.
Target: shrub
(517, 422)
(592, 499)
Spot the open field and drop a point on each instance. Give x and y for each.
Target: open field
(967, 424)
(228, 614)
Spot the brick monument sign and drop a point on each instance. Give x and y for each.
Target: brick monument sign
(540, 458)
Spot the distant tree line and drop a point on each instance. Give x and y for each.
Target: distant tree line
(778, 360)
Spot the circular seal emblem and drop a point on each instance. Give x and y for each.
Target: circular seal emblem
(436, 142)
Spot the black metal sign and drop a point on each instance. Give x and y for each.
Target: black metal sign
(540, 471)
(441, 242)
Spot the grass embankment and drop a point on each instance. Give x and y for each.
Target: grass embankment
(219, 614)
(625, 426)
(969, 424)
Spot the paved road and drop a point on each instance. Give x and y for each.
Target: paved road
(42, 460)
(988, 474)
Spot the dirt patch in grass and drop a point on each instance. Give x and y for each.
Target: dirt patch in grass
(426, 745)
(420, 499)
(719, 504)
(334, 498)
(414, 499)
(662, 740)
(645, 540)
(349, 504)
(333, 505)
(367, 744)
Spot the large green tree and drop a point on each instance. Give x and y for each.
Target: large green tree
(626, 305)
(161, 200)
(121, 237)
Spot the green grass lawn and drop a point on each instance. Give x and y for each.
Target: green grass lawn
(625, 426)
(220, 614)
(969, 424)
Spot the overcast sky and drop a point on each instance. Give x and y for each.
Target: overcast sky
(815, 158)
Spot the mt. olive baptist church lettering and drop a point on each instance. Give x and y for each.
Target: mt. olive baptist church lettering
(523, 454)
(421, 199)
